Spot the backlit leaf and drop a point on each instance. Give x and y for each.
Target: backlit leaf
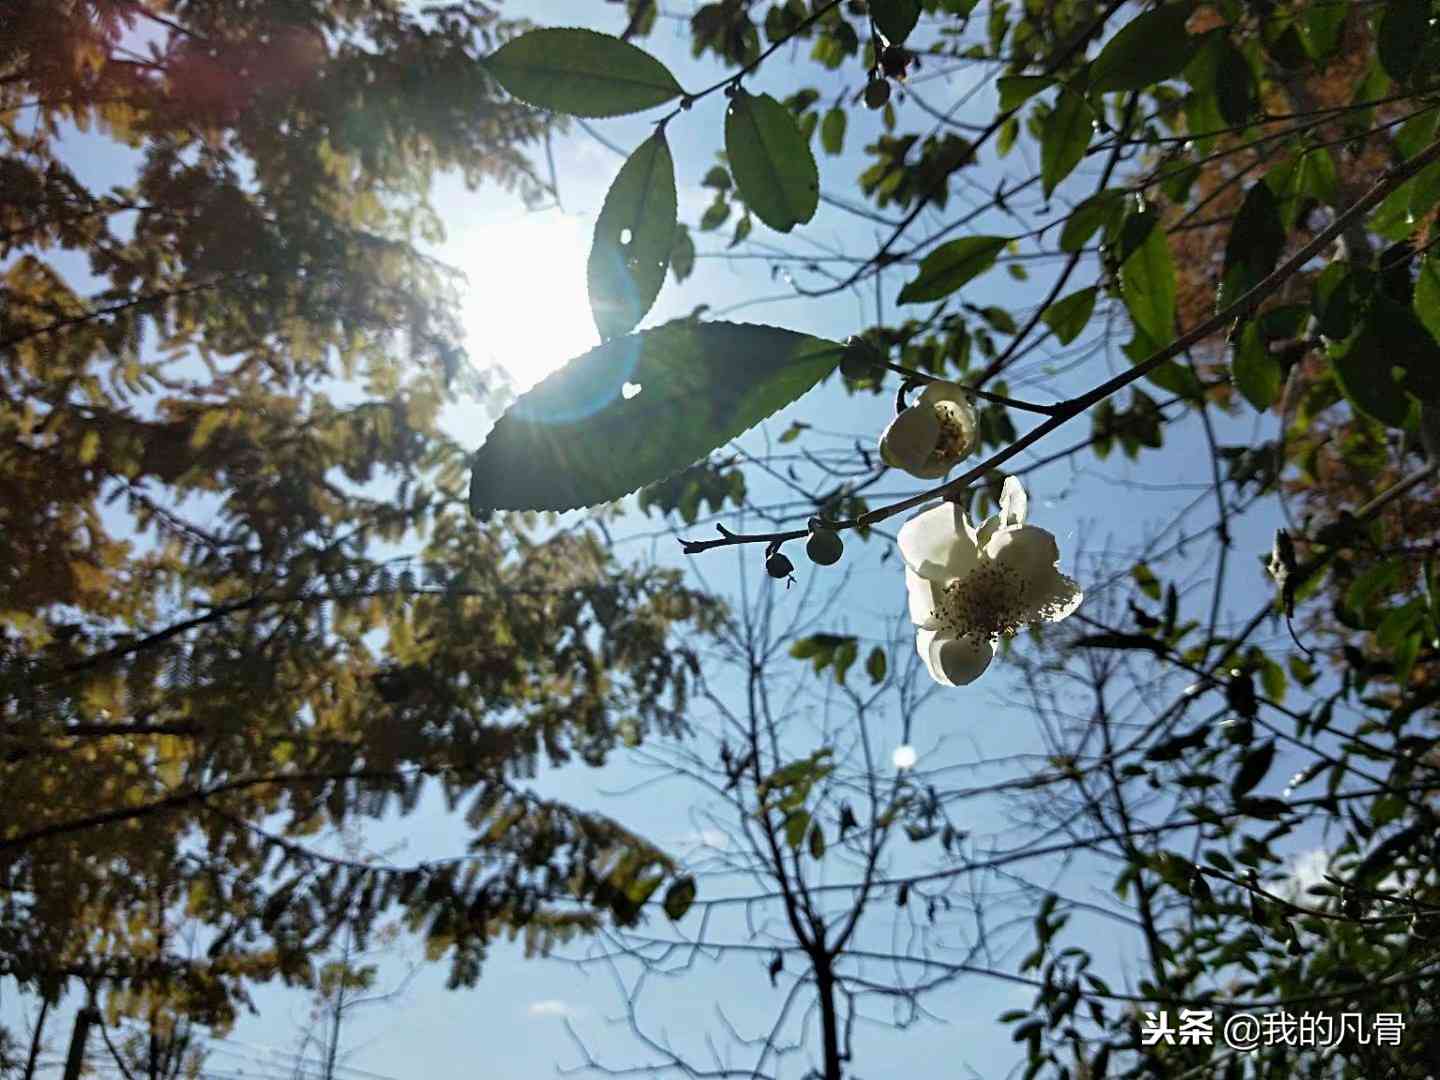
(1256, 371)
(581, 73)
(1147, 279)
(1068, 317)
(896, 18)
(1147, 50)
(634, 235)
(771, 161)
(951, 265)
(1066, 137)
(640, 408)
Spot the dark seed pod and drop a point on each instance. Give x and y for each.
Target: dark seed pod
(779, 565)
(894, 61)
(877, 93)
(824, 547)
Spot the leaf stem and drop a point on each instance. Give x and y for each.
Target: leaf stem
(734, 80)
(984, 395)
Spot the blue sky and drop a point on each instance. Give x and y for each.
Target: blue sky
(526, 308)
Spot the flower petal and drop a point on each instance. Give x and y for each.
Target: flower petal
(921, 592)
(988, 528)
(1029, 550)
(1013, 503)
(1033, 554)
(909, 440)
(935, 544)
(1053, 598)
(942, 390)
(1065, 595)
(953, 661)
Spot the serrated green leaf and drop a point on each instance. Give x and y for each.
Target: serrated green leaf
(1255, 370)
(895, 18)
(950, 266)
(1068, 317)
(1147, 282)
(577, 440)
(581, 73)
(770, 160)
(1147, 50)
(832, 131)
(679, 897)
(1065, 139)
(634, 235)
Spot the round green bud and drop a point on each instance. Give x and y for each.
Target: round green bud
(824, 547)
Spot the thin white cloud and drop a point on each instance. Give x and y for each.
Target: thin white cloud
(552, 1007)
(710, 838)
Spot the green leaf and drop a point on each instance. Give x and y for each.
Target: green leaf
(1154, 47)
(634, 235)
(1068, 317)
(1066, 138)
(771, 161)
(1255, 370)
(1234, 85)
(1147, 280)
(1365, 376)
(895, 18)
(576, 439)
(1257, 237)
(679, 897)
(1146, 579)
(1253, 768)
(1427, 295)
(1015, 90)
(1321, 32)
(682, 254)
(817, 841)
(1119, 641)
(950, 266)
(581, 73)
(845, 655)
(1098, 211)
(875, 665)
(796, 824)
(1404, 29)
(832, 131)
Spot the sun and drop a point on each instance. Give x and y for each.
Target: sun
(526, 309)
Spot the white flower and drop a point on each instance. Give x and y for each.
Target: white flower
(969, 587)
(938, 429)
(904, 757)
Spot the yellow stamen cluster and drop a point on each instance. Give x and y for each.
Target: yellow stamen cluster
(992, 600)
(989, 600)
(953, 442)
